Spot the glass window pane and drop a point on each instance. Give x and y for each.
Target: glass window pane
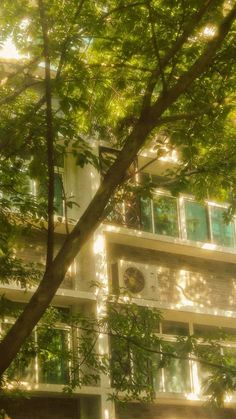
(132, 211)
(177, 375)
(196, 221)
(157, 372)
(209, 355)
(146, 214)
(203, 370)
(230, 333)
(222, 233)
(141, 366)
(58, 194)
(175, 328)
(53, 357)
(165, 216)
(205, 331)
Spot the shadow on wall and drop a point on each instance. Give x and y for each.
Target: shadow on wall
(181, 280)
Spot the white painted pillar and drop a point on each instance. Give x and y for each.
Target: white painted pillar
(101, 274)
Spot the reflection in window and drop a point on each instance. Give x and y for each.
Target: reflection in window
(146, 214)
(177, 374)
(174, 377)
(196, 221)
(205, 331)
(222, 233)
(132, 211)
(207, 353)
(157, 376)
(203, 370)
(42, 192)
(165, 216)
(53, 360)
(175, 328)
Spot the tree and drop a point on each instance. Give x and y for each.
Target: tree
(126, 71)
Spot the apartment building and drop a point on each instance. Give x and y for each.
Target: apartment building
(170, 253)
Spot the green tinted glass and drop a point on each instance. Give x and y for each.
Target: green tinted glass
(222, 233)
(165, 216)
(157, 372)
(146, 214)
(196, 221)
(230, 354)
(58, 194)
(204, 372)
(53, 359)
(177, 375)
(205, 331)
(230, 333)
(175, 328)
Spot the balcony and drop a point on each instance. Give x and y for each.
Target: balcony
(179, 218)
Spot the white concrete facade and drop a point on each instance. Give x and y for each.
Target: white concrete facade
(93, 264)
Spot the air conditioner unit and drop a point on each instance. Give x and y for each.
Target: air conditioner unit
(138, 279)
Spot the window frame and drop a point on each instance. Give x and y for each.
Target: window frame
(35, 363)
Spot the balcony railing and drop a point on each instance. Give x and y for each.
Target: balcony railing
(182, 218)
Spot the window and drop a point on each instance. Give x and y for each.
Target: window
(174, 377)
(176, 374)
(175, 328)
(54, 360)
(47, 364)
(41, 192)
(207, 353)
(172, 374)
(196, 221)
(222, 233)
(146, 214)
(165, 216)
